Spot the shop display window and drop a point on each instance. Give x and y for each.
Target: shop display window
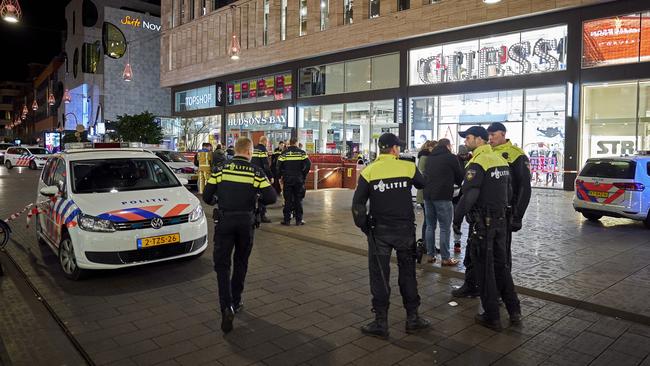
(422, 119)
(644, 115)
(534, 51)
(260, 89)
(374, 73)
(616, 40)
(187, 134)
(270, 123)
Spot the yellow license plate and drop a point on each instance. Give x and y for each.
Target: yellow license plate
(153, 241)
(598, 194)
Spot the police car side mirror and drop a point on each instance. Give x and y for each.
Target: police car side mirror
(49, 191)
(184, 181)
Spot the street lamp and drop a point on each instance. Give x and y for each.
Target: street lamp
(10, 11)
(235, 48)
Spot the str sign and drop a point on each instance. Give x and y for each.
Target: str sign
(137, 23)
(603, 146)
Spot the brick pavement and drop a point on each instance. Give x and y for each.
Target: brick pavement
(304, 303)
(606, 264)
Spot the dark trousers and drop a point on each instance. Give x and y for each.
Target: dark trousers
(380, 246)
(490, 257)
(293, 193)
(262, 208)
(232, 232)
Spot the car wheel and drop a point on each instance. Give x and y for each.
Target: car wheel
(68, 261)
(32, 165)
(591, 216)
(646, 222)
(8, 164)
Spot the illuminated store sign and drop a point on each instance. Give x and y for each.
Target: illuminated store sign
(137, 23)
(194, 99)
(249, 121)
(616, 40)
(530, 52)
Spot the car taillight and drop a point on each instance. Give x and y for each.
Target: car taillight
(630, 186)
(187, 170)
(579, 181)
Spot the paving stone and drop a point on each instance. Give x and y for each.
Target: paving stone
(522, 357)
(547, 342)
(339, 356)
(633, 345)
(165, 354)
(569, 326)
(251, 355)
(387, 355)
(475, 356)
(503, 342)
(431, 356)
(610, 357)
(569, 357)
(295, 356)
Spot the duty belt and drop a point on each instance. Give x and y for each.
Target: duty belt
(236, 213)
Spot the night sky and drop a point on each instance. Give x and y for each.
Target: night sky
(36, 38)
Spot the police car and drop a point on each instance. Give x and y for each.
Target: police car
(33, 157)
(3, 150)
(114, 208)
(182, 167)
(615, 187)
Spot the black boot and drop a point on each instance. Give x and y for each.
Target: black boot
(494, 324)
(265, 220)
(227, 316)
(515, 318)
(238, 306)
(415, 323)
(377, 328)
(466, 290)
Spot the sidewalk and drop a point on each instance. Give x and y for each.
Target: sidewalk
(557, 253)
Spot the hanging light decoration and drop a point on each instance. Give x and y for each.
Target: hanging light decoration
(66, 96)
(34, 103)
(10, 11)
(235, 48)
(127, 74)
(50, 98)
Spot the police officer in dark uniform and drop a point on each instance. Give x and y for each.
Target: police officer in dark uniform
(261, 159)
(389, 225)
(234, 187)
(486, 191)
(519, 179)
(274, 166)
(293, 168)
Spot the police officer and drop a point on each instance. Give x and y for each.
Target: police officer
(274, 166)
(261, 159)
(234, 187)
(293, 168)
(389, 225)
(519, 179)
(484, 202)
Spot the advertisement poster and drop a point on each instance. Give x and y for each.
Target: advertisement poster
(356, 135)
(544, 136)
(53, 142)
(270, 86)
(611, 41)
(230, 94)
(288, 83)
(238, 91)
(330, 135)
(244, 90)
(645, 36)
(253, 89)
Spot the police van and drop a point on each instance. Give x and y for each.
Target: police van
(33, 157)
(114, 208)
(615, 187)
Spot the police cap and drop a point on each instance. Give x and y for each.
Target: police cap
(389, 140)
(477, 131)
(496, 126)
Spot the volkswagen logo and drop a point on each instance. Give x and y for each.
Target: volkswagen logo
(157, 223)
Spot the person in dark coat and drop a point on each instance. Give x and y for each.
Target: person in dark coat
(442, 171)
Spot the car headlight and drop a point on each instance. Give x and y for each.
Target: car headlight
(91, 223)
(197, 214)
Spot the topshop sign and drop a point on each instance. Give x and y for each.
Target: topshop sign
(530, 52)
(195, 99)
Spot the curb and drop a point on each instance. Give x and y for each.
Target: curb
(560, 299)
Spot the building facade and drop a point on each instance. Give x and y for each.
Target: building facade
(568, 78)
(102, 37)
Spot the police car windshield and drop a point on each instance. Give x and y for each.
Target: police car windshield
(38, 151)
(118, 175)
(171, 157)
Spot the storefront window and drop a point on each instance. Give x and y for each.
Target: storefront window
(195, 99)
(267, 10)
(616, 40)
(113, 41)
(324, 14)
(283, 20)
(423, 117)
(346, 129)
(187, 134)
(374, 9)
(357, 75)
(535, 51)
(270, 123)
(261, 89)
(609, 120)
(644, 115)
(380, 72)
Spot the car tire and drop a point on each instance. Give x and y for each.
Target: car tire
(32, 165)
(646, 222)
(8, 164)
(68, 261)
(592, 216)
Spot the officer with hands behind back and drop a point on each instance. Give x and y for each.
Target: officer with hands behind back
(484, 202)
(389, 225)
(519, 178)
(235, 187)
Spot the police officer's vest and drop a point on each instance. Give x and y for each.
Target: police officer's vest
(292, 163)
(491, 173)
(239, 182)
(509, 152)
(389, 183)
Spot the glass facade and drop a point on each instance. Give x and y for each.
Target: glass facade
(374, 8)
(616, 40)
(324, 14)
(274, 124)
(303, 17)
(347, 129)
(348, 7)
(260, 89)
(615, 119)
(534, 118)
(373, 73)
(187, 134)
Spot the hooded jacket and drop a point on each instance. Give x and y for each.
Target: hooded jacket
(442, 170)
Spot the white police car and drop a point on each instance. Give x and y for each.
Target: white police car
(182, 167)
(33, 157)
(3, 149)
(113, 208)
(615, 187)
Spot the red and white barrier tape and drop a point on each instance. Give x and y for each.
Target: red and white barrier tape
(33, 210)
